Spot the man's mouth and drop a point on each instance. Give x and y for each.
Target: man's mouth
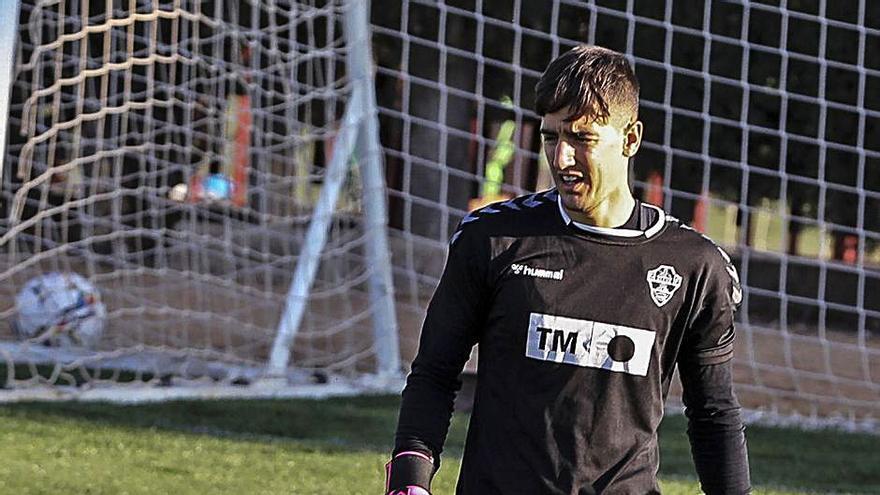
(571, 179)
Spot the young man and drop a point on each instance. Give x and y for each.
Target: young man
(583, 301)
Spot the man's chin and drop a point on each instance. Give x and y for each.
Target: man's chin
(576, 203)
(572, 202)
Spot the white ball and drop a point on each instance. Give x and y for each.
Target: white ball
(60, 309)
(178, 192)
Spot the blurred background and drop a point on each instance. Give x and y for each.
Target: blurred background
(173, 152)
(239, 199)
(760, 126)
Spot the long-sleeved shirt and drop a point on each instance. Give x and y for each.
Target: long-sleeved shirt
(580, 329)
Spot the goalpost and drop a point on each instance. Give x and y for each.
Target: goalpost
(214, 170)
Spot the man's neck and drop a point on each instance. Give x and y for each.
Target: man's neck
(613, 212)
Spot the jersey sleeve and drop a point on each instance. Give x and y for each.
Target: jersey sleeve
(456, 312)
(710, 333)
(715, 427)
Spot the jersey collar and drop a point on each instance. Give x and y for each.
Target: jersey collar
(630, 233)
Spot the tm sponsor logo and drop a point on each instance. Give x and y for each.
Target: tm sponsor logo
(590, 344)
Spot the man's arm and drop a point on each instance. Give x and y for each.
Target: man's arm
(455, 313)
(715, 427)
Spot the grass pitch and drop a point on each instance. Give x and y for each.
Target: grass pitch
(329, 446)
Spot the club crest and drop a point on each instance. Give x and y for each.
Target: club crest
(662, 283)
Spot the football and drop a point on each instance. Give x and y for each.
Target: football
(60, 310)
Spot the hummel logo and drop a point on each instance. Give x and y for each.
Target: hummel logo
(519, 269)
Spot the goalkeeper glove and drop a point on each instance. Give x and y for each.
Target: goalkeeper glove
(410, 490)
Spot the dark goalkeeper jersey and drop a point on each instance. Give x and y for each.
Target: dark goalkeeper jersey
(580, 329)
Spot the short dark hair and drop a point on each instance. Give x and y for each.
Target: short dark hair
(592, 81)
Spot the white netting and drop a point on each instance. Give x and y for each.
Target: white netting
(172, 152)
(759, 118)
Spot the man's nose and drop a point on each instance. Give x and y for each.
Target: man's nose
(564, 154)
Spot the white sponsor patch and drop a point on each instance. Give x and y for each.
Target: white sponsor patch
(520, 269)
(663, 282)
(590, 344)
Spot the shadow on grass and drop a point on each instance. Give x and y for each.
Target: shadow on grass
(820, 461)
(358, 422)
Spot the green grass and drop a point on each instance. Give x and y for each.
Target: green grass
(310, 447)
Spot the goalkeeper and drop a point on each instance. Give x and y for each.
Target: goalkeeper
(583, 301)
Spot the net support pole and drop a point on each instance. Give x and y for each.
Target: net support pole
(7, 58)
(316, 237)
(359, 136)
(370, 160)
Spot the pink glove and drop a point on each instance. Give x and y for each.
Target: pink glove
(410, 490)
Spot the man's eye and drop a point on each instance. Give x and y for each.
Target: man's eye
(548, 138)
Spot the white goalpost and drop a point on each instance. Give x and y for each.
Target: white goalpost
(213, 170)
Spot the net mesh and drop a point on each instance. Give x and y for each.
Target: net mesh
(758, 117)
(172, 152)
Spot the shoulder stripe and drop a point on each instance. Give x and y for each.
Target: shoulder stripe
(470, 218)
(511, 204)
(515, 204)
(551, 194)
(736, 290)
(531, 201)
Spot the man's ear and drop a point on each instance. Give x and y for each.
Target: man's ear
(632, 138)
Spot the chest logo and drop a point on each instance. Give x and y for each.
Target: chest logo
(590, 344)
(520, 269)
(662, 283)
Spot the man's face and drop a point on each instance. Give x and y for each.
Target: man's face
(588, 158)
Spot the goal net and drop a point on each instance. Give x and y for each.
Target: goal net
(757, 119)
(211, 170)
(174, 154)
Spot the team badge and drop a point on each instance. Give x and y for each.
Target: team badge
(663, 282)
